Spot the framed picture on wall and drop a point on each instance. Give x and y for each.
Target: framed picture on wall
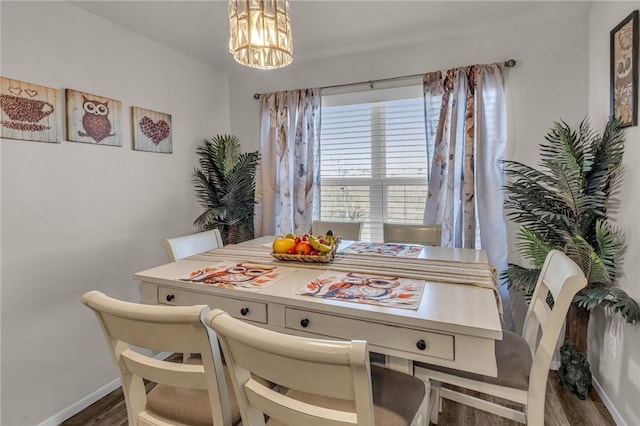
(624, 71)
(93, 119)
(151, 131)
(29, 112)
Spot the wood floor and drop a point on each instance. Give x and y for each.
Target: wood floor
(561, 409)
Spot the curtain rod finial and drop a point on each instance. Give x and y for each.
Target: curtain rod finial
(256, 96)
(510, 63)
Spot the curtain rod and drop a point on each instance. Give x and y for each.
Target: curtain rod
(509, 63)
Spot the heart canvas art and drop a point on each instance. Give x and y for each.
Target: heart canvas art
(151, 131)
(29, 111)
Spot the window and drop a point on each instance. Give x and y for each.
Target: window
(373, 161)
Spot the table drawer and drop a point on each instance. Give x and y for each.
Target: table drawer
(405, 339)
(238, 308)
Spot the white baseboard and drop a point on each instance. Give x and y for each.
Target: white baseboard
(88, 400)
(607, 403)
(82, 404)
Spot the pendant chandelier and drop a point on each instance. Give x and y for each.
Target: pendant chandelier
(260, 33)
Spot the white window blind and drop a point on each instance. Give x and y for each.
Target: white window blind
(373, 159)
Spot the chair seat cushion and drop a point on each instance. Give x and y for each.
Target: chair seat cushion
(396, 398)
(513, 357)
(188, 406)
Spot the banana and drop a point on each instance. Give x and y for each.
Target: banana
(318, 246)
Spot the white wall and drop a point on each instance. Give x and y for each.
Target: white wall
(619, 373)
(549, 82)
(77, 216)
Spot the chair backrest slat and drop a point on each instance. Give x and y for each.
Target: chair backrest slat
(296, 412)
(169, 373)
(428, 235)
(321, 367)
(146, 327)
(319, 374)
(189, 245)
(344, 230)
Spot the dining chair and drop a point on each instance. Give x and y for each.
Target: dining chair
(322, 382)
(345, 230)
(188, 245)
(523, 361)
(189, 393)
(428, 235)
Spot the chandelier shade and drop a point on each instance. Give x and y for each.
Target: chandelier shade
(260, 33)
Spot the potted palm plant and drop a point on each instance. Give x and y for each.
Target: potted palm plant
(224, 186)
(563, 205)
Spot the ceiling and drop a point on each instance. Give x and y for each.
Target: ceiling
(321, 29)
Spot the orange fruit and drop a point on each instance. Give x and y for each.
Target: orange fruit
(303, 248)
(283, 245)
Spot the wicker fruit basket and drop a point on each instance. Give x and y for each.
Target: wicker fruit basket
(319, 258)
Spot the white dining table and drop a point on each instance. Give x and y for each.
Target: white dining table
(455, 324)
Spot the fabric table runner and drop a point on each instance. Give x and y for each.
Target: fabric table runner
(434, 270)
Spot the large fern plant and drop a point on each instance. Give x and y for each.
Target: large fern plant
(563, 205)
(224, 186)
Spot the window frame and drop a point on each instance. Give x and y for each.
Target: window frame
(378, 183)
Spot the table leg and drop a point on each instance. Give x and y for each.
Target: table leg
(399, 364)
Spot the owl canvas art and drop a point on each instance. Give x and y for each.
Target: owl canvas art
(93, 119)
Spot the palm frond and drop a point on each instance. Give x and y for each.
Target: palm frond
(521, 278)
(565, 148)
(533, 247)
(609, 246)
(613, 298)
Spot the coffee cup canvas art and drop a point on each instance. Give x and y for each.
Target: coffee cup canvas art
(151, 131)
(93, 119)
(29, 111)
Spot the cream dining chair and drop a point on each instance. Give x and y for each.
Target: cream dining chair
(191, 393)
(344, 230)
(188, 245)
(523, 362)
(323, 382)
(428, 235)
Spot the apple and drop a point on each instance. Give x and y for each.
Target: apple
(304, 248)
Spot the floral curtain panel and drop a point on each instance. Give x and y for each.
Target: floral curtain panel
(466, 134)
(287, 177)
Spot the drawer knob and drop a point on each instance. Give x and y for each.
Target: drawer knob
(421, 344)
(304, 323)
(170, 297)
(244, 311)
